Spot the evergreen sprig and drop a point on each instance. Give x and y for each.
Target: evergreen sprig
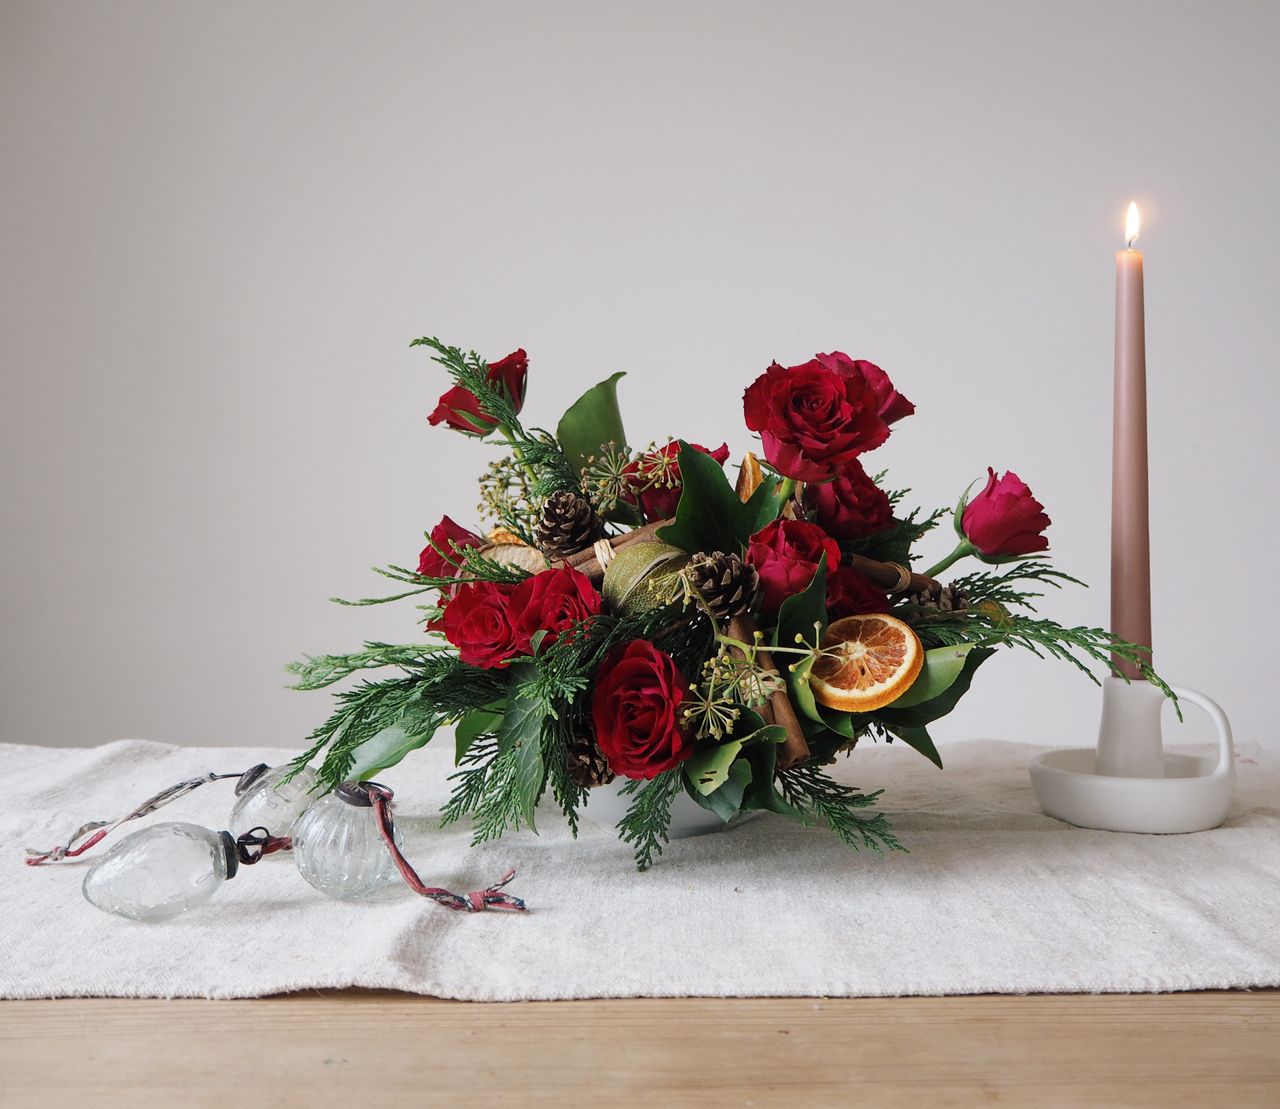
(646, 822)
(816, 795)
(318, 671)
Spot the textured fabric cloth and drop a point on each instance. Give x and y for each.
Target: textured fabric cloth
(993, 896)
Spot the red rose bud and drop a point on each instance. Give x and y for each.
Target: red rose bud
(1005, 521)
(849, 593)
(552, 601)
(815, 418)
(440, 557)
(478, 622)
(637, 711)
(653, 482)
(786, 554)
(850, 507)
(460, 409)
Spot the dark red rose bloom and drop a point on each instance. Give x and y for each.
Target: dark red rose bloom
(637, 710)
(849, 593)
(477, 620)
(816, 417)
(852, 506)
(439, 558)
(786, 555)
(653, 482)
(459, 409)
(552, 601)
(1005, 520)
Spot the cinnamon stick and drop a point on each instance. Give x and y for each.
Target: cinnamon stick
(795, 748)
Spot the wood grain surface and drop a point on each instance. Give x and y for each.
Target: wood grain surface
(369, 1048)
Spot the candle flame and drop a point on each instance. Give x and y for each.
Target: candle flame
(1131, 224)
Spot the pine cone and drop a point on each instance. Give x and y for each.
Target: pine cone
(946, 599)
(569, 523)
(586, 763)
(727, 584)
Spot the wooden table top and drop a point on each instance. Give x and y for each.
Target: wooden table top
(361, 1047)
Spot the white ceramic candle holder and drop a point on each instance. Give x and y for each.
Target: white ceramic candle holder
(1129, 783)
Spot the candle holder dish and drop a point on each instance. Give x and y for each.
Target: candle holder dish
(1129, 783)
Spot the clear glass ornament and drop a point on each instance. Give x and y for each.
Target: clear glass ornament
(265, 800)
(339, 850)
(161, 871)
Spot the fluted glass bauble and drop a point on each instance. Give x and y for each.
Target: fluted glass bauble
(339, 850)
(161, 871)
(272, 803)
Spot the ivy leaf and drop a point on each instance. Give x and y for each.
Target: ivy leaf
(591, 421)
(710, 517)
(708, 770)
(917, 716)
(484, 721)
(942, 666)
(726, 802)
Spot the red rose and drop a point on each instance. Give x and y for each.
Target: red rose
(786, 555)
(636, 711)
(851, 506)
(851, 594)
(816, 417)
(653, 482)
(440, 558)
(552, 601)
(1005, 520)
(459, 408)
(478, 622)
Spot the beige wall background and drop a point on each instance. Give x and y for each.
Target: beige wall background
(222, 223)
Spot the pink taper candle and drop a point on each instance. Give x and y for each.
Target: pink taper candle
(1130, 538)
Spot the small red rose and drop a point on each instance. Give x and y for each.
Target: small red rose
(552, 601)
(1005, 521)
(786, 554)
(440, 557)
(477, 620)
(653, 481)
(460, 409)
(852, 506)
(816, 417)
(637, 709)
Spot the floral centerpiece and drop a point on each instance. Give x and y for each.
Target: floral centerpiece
(635, 613)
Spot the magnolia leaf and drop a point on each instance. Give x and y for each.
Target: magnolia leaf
(471, 727)
(592, 421)
(726, 802)
(709, 516)
(389, 746)
(708, 770)
(917, 716)
(761, 792)
(752, 729)
(942, 666)
(919, 739)
(802, 619)
(842, 723)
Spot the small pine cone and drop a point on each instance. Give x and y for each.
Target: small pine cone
(946, 599)
(569, 524)
(727, 584)
(586, 763)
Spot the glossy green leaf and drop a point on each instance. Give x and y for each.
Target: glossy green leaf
(919, 739)
(942, 666)
(390, 745)
(805, 616)
(591, 421)
(709, 515)
(708, 769)
(761, 793)
(917, 716)
(471, 727)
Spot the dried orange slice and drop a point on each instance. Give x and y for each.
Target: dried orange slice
(867, 662)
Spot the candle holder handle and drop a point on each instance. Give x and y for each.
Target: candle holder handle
(1129, 783)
